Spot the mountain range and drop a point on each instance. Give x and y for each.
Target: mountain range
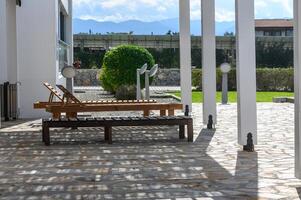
(144, 28)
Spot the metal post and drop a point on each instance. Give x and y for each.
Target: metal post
(225, 88)
(138, 89)
(69, 84)
(147, 95)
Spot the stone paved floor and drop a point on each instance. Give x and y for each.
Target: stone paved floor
(152, 163)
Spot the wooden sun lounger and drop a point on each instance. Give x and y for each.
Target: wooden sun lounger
(108, 123)
(43, 105)
(53, 93)
(69, 98)
(73, 109)
(70, 105)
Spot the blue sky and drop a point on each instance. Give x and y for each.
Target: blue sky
(152, 10)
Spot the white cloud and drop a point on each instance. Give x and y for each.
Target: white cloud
(284, 6)
(150, 10)
(223, 15)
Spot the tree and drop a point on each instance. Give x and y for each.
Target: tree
(120, 66)
(228, 33)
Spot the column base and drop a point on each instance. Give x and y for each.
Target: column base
(248, 148)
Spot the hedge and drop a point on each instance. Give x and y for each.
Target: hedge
(120, 66)
(268, 79)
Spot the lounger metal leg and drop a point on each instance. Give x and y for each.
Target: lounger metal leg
(182, 131)
(190, 131)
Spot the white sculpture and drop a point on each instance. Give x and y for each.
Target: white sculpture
(140, 71)
(148, 74)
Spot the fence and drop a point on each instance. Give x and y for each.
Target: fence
(9, 101)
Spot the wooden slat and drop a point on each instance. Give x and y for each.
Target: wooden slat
(53, 91)
(113, 107)
(43, 105)
(68, 94)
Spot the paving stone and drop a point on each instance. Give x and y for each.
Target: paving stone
(151, 162)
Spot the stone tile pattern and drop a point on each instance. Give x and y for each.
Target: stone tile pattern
(152, 163)
(90, 77)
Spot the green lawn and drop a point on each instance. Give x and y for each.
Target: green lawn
(197, 97)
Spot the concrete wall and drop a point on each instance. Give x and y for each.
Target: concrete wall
(87, 77)
(37, 27)
(164, 77)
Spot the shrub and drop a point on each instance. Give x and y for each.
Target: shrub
(120, 66)
(268, 79)
(126, 92)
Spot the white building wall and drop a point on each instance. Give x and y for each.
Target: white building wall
(37, 23)
(3, 40)
(8, 47)
(12, 64)
(66, 5)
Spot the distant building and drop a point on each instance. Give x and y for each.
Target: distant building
(274, 27)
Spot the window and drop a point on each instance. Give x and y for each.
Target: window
(272, 33)
(62, 27)
(289, 33)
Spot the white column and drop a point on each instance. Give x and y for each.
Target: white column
(209, 60)
(185, 53)
(246, 70)
(297, 63)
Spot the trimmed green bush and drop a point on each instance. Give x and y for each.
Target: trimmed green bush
(268, 79)
(126, 92)
(120, 66)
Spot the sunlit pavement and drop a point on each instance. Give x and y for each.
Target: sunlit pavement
(151, 162)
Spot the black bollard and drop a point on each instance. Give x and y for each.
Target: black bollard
(210, 122)
(187, 110)
(5, 101)
(250, 145)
